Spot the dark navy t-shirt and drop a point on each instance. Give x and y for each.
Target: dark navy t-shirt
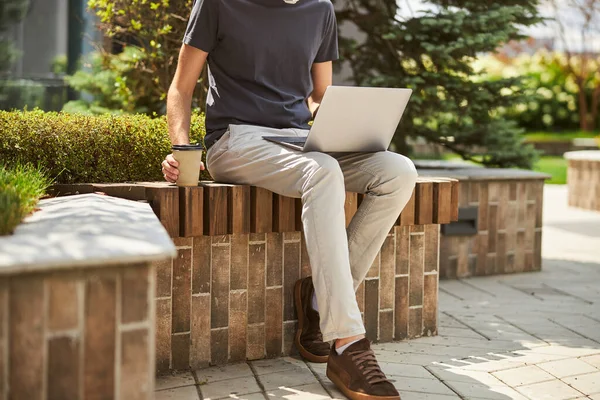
(260, 57)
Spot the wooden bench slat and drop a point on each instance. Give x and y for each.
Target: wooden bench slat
(191, 211)
(284, 215)
(298, 213)
(424, 203)
(239, 209)
(454, 200)
(215, 209)
(261, 218)
(165, 204)
(442, 192)
(219, 209)
(407, 217)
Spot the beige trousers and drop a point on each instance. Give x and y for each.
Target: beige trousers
(339, 257)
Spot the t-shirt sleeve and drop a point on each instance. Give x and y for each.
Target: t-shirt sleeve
(202, 26)
(328, 50)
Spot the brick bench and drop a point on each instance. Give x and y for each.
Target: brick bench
(227, 296)
(583, 179)
(76, 300)
(500, 222)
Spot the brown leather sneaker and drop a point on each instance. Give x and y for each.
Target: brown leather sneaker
(309, 339)
(356, 373)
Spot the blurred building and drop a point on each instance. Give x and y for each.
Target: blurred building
(52, 33)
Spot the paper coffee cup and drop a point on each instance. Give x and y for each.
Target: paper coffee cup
(189, 157)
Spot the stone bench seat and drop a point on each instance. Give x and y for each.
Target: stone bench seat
(228, 295)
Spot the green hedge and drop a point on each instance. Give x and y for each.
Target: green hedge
(21, 187)
(75, 148)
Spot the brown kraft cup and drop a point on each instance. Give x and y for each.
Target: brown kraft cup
(189, 157)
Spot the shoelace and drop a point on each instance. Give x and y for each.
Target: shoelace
(365, 361)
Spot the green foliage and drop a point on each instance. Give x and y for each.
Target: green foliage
(112, 83)
(11, 12)
(21, 187)
(433, 54)
(59, 65)
(76, 148)
(150, 33)
(550, 87)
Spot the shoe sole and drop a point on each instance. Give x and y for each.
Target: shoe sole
(303, 352)
(352, 395)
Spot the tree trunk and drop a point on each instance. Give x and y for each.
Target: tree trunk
(595, 107)
(583, 109)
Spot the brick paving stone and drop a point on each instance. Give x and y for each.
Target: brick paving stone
(592, 360)
(586, 384)
(553, 390)
(532, 356)
(478, 391)
(464, 375)
(319, 369)
(269, 366)
(215, 374)
(182, 393)
(305, 392)
(460, 332)
(226, 388)
(432, 386)
(174, 381)
(404, 370)
(335, 393)
(408, 358)
(567, 351)
(287, 378)
(251, 396)
(569, 367)
(490, 363)
(427, 396)
(523, 376)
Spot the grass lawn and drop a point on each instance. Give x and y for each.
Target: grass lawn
(555, 166)
(21, 186)
(558, 136)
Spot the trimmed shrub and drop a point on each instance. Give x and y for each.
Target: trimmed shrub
(21, 187)
(75, 148)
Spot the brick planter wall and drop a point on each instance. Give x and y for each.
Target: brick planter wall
(77, 318)
(509, 224)
(241, 301)
(583, 179)
(510, 230)
(75, 335)
(227, 296)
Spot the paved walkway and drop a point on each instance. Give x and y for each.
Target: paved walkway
(529, 336)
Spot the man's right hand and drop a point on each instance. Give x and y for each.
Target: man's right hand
(169, 169)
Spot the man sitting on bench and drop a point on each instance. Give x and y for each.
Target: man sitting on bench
(270, 62)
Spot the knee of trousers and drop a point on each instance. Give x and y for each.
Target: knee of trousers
(325, 171)
(398, 174)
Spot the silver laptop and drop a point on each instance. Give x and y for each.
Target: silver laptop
(352, 119)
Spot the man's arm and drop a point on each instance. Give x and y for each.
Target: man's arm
(322, 76)
(179, 98)
(179, 103)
